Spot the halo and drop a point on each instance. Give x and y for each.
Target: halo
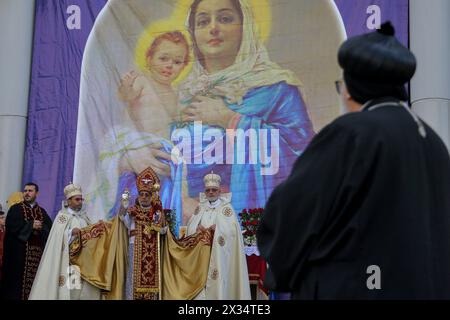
(263, 18)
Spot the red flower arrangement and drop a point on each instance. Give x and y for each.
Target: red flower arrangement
(250, 221)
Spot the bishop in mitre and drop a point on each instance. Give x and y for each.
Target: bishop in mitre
(136, 256)
(227, 272)
(56, 278)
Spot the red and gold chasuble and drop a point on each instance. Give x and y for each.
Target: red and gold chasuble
(146, 256)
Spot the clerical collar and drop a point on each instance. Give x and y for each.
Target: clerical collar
(214, 204)
(73, 212)
(31, 204)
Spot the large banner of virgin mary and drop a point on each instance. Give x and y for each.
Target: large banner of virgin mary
(188, 87)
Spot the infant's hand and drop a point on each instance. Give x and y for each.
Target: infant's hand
(126, 90)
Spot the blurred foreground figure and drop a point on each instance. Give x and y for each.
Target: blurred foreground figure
(365, 213)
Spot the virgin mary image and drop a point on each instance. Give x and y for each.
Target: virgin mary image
(239, 89)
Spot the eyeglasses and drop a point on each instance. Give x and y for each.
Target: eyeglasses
(211, 190)
(338, 84)
(78, 199)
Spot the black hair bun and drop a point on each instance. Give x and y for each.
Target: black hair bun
(387, 29)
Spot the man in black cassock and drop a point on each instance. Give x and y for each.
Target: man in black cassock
(27, 228)
(365, 213)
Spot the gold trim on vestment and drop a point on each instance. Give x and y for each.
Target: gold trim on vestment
(34, 248)
(146, 256)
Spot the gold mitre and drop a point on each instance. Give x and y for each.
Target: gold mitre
(72, 190)
(212, 180)
(148, 180)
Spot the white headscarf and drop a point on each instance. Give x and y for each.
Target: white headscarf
(251, 69)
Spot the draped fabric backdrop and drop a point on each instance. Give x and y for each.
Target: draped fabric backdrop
(62, 29)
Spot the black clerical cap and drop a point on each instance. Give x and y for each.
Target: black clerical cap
(376, 65)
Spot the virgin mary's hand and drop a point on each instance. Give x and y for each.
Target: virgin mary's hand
(139, 160)
(209, 111)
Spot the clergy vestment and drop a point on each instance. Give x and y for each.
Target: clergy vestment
(23, 247)
(227, 272)
(159, 265)
(54, 277)
(369, 197)
(143, 280)
(101, 252)
(181, 268)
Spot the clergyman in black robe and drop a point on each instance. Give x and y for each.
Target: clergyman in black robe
(27, 228)
(365, 213)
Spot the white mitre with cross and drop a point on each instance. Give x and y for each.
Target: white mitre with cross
(212, 180)
(72, 190)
